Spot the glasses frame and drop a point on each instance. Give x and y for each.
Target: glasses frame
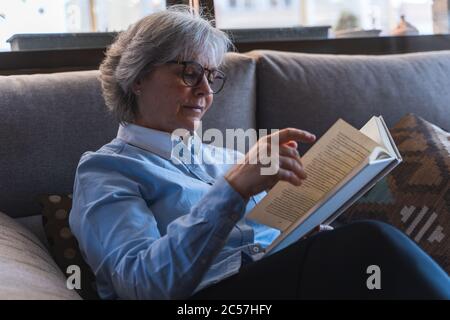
(200, 78)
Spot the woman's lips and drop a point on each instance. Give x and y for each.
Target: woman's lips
(196, 109)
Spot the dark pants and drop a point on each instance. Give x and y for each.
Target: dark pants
(333, 265)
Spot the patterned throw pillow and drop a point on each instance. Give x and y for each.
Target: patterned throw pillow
(415, 196)
(62, 244)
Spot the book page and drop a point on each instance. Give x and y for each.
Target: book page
(375, 131)
(386, 136)
(339, 151)
(371, 130)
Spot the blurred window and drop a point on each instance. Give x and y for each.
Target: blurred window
(59, 16)
(389, 17)
(347, 18)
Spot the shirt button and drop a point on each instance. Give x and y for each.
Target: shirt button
(255, 249)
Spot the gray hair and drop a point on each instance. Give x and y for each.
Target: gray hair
(173, 34)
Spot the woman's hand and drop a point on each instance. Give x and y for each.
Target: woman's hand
(247, 178)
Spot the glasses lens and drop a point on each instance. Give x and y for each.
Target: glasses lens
(216, 80)
(193, 74)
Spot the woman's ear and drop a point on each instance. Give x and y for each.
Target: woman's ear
(136, 87)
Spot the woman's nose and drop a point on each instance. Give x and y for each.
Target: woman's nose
(203, 88)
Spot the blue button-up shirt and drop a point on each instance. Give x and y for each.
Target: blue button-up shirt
(154, 227)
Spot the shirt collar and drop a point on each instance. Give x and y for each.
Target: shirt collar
(155, 141)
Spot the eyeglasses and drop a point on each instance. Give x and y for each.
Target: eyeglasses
(193, 73)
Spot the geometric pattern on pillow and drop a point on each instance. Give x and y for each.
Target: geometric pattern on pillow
(415, 196)
(27, 272)
(63, 246)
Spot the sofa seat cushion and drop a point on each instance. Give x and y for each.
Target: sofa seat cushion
(26, 269)
(34, 224)
(311, 91)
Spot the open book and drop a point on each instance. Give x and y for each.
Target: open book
(341, 166)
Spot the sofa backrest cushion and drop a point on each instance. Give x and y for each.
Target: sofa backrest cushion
(311, 91)
(235, 105)
(47, 121)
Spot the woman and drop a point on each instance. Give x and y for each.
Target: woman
(154, 228)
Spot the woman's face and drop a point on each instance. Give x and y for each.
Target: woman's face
(166, 103)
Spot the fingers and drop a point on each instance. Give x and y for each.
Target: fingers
(288, 134)
(290, 165)
(286, 151)
(247, 178)
(289, 176)
(291, 170)
(292, 144)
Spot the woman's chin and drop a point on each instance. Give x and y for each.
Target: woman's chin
(191, 123)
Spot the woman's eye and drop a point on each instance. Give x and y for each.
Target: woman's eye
(190, 75)
(190, 70)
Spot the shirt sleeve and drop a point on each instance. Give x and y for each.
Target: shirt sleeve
(119, 238)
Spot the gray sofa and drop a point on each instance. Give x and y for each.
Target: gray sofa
(48, 120)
